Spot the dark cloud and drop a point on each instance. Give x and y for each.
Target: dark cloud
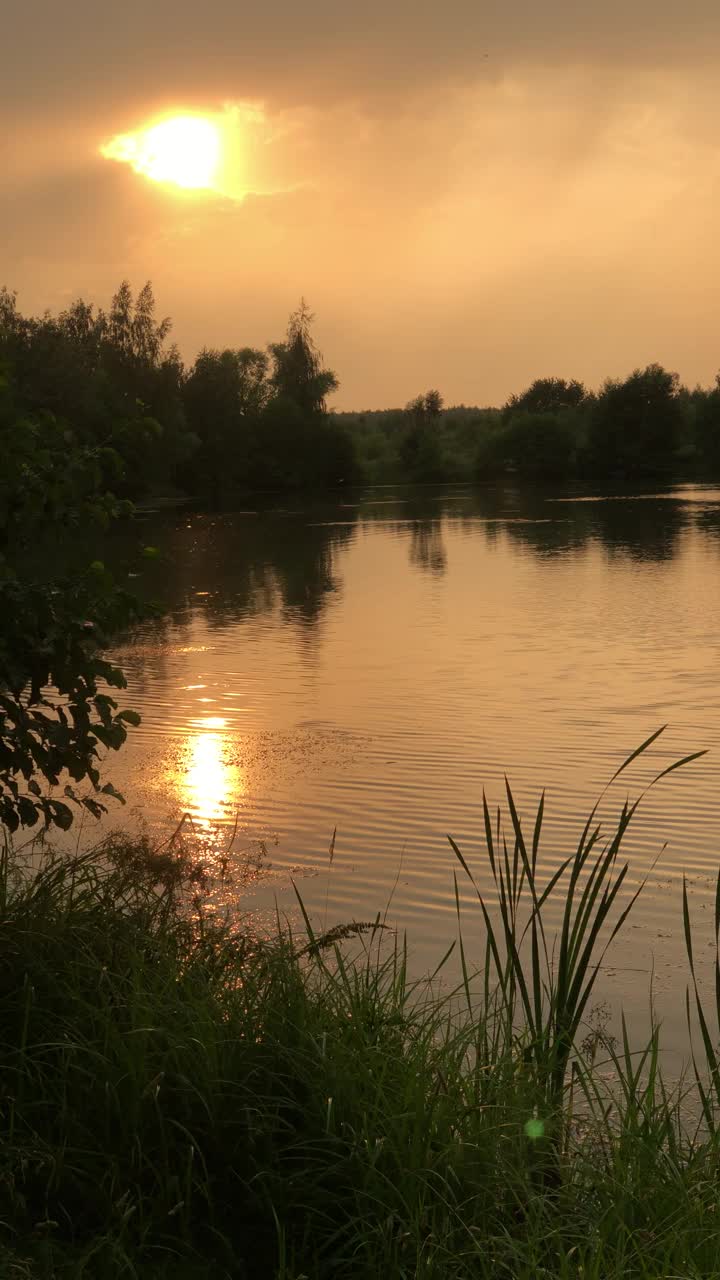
(102, 55)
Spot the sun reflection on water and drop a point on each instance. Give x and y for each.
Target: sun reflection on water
(211, 786)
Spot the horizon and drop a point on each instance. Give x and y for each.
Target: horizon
(334, 407)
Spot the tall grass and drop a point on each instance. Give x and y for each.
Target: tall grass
(182, 1099)
(554, 992)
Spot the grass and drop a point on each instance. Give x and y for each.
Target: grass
(180, 1099)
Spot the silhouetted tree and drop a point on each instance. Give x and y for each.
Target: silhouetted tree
(546, 395)
(635, 426)
(109, 375)
(297, 445)
(706, 406)
(542, 446)
(224, 394)
(249, 419)
(425, 409)
(298, 374)
(535, 446)
(296, 450)
(420, 454)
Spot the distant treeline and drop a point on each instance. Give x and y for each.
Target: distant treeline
(643, 427)
(95, 402)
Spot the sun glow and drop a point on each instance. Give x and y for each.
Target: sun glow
(183, 150)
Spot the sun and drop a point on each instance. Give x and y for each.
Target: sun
(184, 150)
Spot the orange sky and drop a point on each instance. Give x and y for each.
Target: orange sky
(468, 195)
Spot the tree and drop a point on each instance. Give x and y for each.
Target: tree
(541, 446)
(707, 426)
(425, 409)
(109, 374)
(225, 394)
(546, 395)
(298, 374)
(421, 456)
(297, 445)
(635, 426)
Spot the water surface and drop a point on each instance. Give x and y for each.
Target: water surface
(373, 664)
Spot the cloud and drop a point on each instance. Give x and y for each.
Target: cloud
(321, 51)
(470, 194)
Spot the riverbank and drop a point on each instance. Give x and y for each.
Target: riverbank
(182, 1099)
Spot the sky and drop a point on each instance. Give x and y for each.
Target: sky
(469, 195)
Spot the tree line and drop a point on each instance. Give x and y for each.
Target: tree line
(100, 400)
(644, 427)
(96, 402)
